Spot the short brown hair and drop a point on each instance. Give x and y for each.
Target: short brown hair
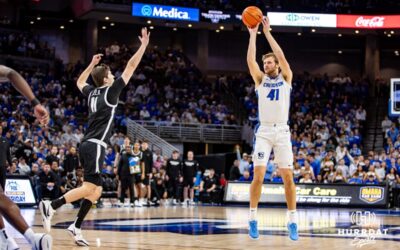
(270, 55)
(99, 73)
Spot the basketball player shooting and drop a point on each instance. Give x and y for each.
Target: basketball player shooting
(9, 209)
(102, 102)
(273, 87)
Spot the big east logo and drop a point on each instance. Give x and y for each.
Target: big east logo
(372, 194)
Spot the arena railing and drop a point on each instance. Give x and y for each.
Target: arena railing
(192, 132)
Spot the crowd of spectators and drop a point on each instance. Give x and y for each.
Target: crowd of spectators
(167, 88)
(327, 119)
(337, 166)
(25, 44)
(49, 154)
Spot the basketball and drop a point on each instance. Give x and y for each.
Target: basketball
(252, 16)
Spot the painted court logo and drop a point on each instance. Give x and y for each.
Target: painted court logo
(365, 229)
(372, 194)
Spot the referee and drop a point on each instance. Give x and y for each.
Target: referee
(5, 156)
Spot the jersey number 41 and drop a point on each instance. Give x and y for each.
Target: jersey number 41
(273, 95)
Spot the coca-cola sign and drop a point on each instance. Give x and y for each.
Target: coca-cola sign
(376, 21)
(368, 22)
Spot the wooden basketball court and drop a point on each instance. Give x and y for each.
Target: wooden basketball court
(207, 227)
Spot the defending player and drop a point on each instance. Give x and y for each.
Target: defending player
(102, 102)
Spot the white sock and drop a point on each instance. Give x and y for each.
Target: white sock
(253, 213)
(3, 234)
(292, 216)
(30, 236)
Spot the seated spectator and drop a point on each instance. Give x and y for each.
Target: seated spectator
(234, 172)
(380, 170)
(355, 151)
(222, 181)
(246, 176)
(25, 151)
(371, 179)
(320, 180)
(23, 168)
(208, 187)
(159, 192)
(327, 163)
(343, 168)
(53, 155)
(359, 173)
(12, 170)
(355, 179)
(307, 170)
(354, 165)
(297, 172)
(372, 172)
(306, 178)
(338, 177)
(271, 166)
(110, 157)
(48, 181)
(276, 177)
(392, 177)
(329, 174)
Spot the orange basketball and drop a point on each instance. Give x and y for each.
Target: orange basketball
(252, 16)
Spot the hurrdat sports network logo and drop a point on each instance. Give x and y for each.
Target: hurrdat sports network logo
(365, 228)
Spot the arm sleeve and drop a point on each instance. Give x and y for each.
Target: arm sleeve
(115, 90)
(87, 89)
(238, 155)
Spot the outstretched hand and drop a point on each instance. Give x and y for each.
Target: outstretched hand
(145, 38)
(96, 59)
(41, 114)
(253, 31)
(266, 24)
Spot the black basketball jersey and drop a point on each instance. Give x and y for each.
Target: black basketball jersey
(102, 103)
(190, 168)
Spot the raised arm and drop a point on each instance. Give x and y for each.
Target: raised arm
(237, 148)
(137, 57)
(22, 86)
(283, 63)
(255, 71)
(81, 83)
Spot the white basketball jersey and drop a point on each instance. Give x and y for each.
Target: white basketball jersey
(273, 100)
